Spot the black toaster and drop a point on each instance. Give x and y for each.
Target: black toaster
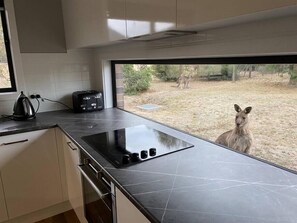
(86, 101)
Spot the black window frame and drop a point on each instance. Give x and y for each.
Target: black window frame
(279, 59)
(8, 50)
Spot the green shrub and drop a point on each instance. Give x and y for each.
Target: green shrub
(167, 72)
(136, 78)
(293, 74)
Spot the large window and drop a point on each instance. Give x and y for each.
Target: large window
(198, 97)
(7, 81)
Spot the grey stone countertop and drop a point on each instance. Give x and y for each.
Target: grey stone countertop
(203, 184)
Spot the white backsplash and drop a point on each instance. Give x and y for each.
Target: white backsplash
(54, 76)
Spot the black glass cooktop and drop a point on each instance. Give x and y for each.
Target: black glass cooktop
(128, 146)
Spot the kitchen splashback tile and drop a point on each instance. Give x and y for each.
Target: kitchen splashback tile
(85, 75)
(69, 76)
(54, 76)
(68, 86)
(86, 85)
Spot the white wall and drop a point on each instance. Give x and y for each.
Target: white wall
(56, 76)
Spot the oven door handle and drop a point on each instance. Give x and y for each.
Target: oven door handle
(100, 193)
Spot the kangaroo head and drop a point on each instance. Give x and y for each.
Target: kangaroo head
(241, 118)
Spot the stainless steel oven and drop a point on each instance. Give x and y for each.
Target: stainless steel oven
(98, 193)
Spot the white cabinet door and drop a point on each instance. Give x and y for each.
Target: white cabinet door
(3, 211)
(74, 184)
(93, 22)
(150, 16)
(198, 12)
(30, 171)
(126, 211)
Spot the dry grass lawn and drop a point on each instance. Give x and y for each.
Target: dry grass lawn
(206, 110)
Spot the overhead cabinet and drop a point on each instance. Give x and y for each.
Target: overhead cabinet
(198, 12)
(102, 22)
(150, 16)
(30, 172)
(93, 22)
(40, 26)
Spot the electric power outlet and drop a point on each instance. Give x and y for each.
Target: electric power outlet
(33, 95)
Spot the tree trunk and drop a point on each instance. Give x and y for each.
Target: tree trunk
(245, 68)
(234, 73)
(197, 68)
(293, 73)
(250, 71)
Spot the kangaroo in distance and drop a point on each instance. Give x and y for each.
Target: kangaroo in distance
(183, 81)
(240, 138)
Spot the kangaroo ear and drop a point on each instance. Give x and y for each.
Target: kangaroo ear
(237, 108)
(247, 110)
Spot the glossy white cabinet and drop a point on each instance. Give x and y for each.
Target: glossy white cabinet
(93, 22)
(150, 16)
(3, 211)
(197, 12)
(30, 171)
(74, 184)
(36, 32)
(126, 211)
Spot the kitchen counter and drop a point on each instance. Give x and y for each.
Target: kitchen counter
(202, 184)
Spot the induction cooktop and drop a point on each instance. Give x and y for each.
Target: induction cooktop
(132, 145)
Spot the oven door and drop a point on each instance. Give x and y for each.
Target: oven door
(98, 196)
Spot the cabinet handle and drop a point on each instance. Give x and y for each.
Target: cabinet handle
(88, 163)
(99, 192)
(94, 169)
(70, 146)
(15, 142)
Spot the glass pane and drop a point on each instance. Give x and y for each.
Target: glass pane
(4, 72)
(200, 99)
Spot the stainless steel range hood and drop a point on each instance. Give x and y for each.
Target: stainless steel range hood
(163, 35)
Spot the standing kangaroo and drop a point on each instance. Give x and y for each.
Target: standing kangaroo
(183, 81)
(240, 138)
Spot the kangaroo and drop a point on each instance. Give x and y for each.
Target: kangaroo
(183, 81)
(240, 138)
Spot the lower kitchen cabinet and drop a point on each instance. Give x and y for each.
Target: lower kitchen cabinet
(3, 211)
(74, 184)
(126, 211)
(30, 172)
